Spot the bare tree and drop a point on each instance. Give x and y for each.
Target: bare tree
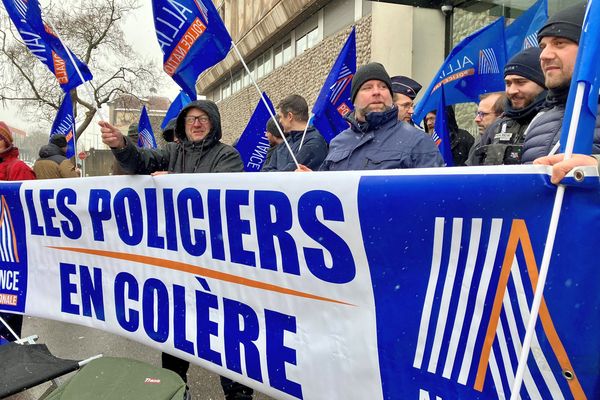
(92, 29)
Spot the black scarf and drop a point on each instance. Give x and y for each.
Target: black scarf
(526, 113)
(557, 97)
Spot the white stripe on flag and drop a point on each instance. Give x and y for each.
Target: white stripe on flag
(440, 328)
(508, 367)
(490, 258)
(530, 385)
(465, 290)
(438, 239)
(496, 376)
(7, 255)
(539, 357)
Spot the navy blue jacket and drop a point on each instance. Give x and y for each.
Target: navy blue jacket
(312, 154)
(382, 142)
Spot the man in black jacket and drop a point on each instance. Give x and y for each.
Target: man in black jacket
(502, 141)
(199, 149)
(309, 148)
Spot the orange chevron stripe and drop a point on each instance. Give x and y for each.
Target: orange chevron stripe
(490, 335)
(196, 270)
(544, 315)
(520, 234)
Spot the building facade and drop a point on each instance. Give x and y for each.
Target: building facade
(289, 46)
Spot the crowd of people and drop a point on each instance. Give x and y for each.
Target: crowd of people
(518, 126)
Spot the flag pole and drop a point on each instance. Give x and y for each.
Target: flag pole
(556, 209)
(86, 88)
(304, 133)
(265, 103)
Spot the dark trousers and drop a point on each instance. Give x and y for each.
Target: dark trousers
(15, 321)
(232, 390)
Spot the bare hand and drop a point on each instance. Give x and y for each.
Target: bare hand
(111, 136)
(560, 167)
(303, 168)
(157, 173)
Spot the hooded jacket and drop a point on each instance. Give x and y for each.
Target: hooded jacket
(53, 164)
(312, 154)
(13, 169)
(381, 142)
(207, 155)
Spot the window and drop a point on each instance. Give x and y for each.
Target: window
(301, 45)
(312, 38)
(237, 83)
(287, 52)
(226, 90)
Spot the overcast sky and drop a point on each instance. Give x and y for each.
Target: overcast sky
(139, 31)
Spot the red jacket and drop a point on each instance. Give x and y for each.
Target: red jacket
(13, 169)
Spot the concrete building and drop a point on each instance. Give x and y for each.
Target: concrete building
(290, 45)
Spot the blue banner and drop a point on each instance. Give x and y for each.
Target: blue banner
(473, 67)
(64, 124)
(177, 105)
(586, 75)
(44, 43)
(522, 32)
(441, 134)
(145, 134)
(400, 284)
(253, 145)
(192, 37)
(334, 101)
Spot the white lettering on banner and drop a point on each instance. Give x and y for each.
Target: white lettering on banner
(9, 280)
(259, 154)
(169, 24)
(135, 217)
(458, 66)
(34, 44)
(150, 305)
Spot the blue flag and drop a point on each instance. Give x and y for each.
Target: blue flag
(192, 37)
(335, 101)
(475, 66)
(522, 32)
(145, 134)
(441, 134)
(64, 124)
(253, 144)
(586, 74)
(44, 44)
(180, 101)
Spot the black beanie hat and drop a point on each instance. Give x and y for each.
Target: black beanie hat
(526, 63)
(566, 23)
(59, 140)
(369, 72)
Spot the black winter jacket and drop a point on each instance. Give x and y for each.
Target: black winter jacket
(207, 155)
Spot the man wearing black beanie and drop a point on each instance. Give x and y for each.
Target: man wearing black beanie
(502, 141)
(559, 41)
(376, 139)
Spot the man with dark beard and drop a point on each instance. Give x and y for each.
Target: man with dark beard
(502, 141)
(376, 139)
(559, 41)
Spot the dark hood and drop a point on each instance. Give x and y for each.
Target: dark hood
(211, 110)
(50, 150)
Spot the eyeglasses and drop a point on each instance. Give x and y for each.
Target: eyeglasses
(202, 119)
(481, 114)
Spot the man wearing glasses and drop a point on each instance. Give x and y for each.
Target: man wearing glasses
(405, 90)
(490, 107)
(198, 129)
(199, 150)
